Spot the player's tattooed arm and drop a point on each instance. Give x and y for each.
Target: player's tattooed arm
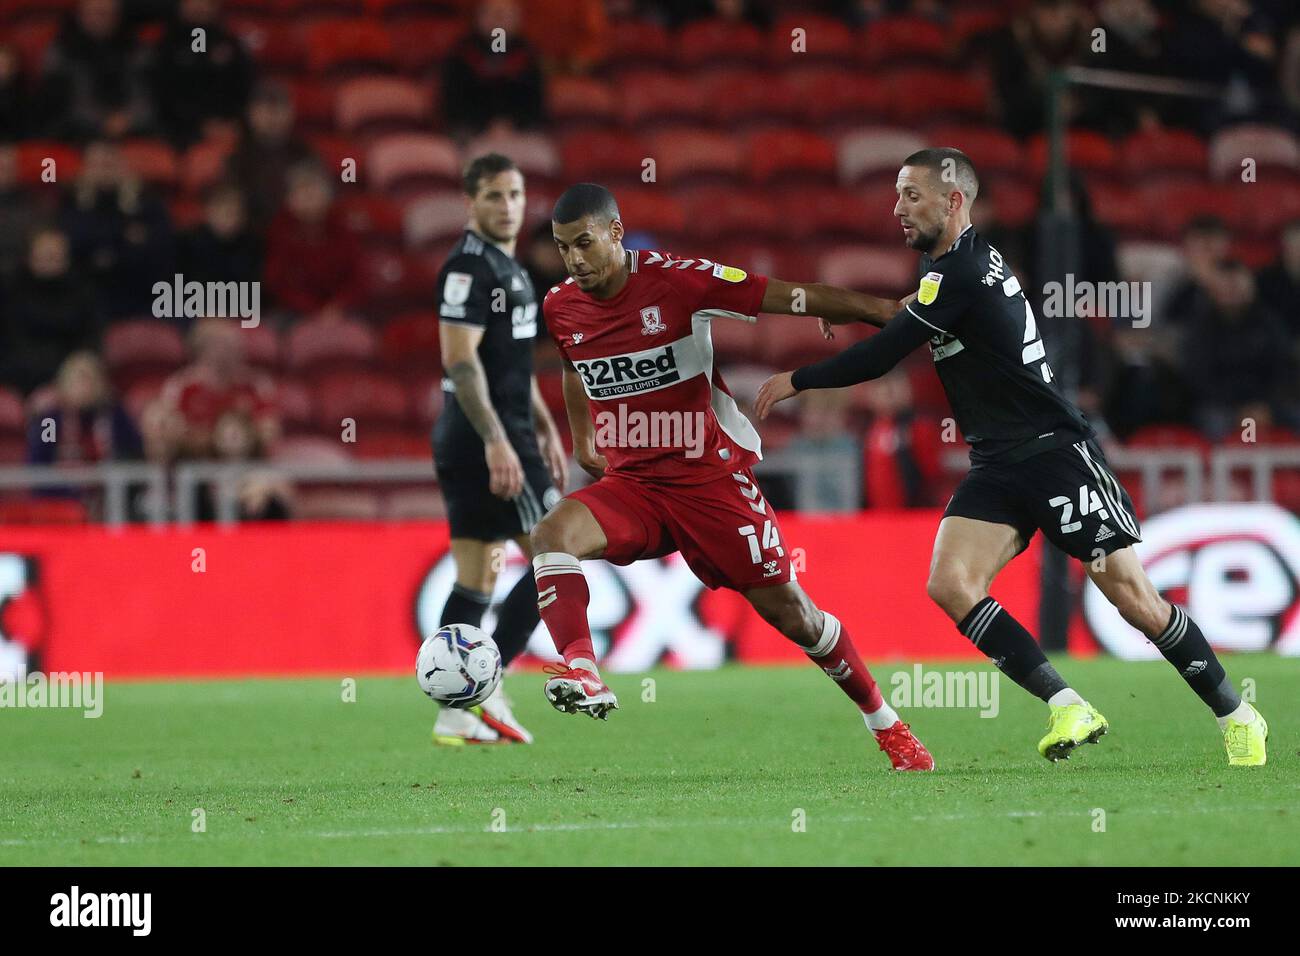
(461, 362)
(580, 426)
(833, 305)
(548, 439)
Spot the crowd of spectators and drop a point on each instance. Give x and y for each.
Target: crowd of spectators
(81, 252)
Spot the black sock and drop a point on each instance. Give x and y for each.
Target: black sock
(517, 618)
(1011, 648)
(1184, 646)
(465, 606)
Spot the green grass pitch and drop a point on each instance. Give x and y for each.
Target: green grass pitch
(720, 768)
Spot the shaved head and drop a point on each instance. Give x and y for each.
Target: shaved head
(950, 166)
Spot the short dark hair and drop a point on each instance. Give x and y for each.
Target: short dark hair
(484, 167)
(585, 199)
(941, 159)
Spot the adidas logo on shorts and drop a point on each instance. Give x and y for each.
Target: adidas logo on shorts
(1103, 533)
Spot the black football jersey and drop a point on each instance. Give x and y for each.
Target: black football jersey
(988, 351)
(482, 287)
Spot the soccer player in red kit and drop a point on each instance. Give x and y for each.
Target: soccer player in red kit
(653, 421)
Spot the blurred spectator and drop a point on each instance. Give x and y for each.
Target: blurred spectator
(1289, 73)
(267, 150)
(17, 214)
(262, 494)
(182, 424)
(542, 259)
(1279, 284)
(572, 36)
(902, 451)
(93, 81)
(222, 248)
(491, 77)
(1134, 44)
(120, 230)
(78, 421)
(1051, 34)
(197, 90)
(312, 257)
(1206, 244)
(1144, 385)
(823, 433)
(13, 99)
(1229, 45)
(49, 313)
(1232, 359)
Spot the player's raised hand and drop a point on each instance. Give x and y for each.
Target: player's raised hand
(506, 474)
(776, 389)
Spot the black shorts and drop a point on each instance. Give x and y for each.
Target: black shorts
(473, 511)
(1069, 493)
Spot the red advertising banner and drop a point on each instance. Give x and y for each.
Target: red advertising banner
(279, 599)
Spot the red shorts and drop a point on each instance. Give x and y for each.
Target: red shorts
(724, 528)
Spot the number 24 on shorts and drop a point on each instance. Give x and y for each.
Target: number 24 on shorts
(1088, 503)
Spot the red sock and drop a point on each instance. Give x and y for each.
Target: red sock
(562, 597)
(836, 655)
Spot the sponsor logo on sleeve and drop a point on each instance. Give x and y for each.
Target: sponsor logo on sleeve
(728, 273)
(929, 289)
(455, 291)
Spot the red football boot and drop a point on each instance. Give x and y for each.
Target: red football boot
(573, 690)
(905, 751)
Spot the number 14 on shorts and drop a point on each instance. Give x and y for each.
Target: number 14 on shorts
(1088, 503)
(771, 540)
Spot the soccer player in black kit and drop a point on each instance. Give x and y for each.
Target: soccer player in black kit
(500, 459)
(1034, 462)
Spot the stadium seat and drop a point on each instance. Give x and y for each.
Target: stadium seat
(968, 23)
(152, 160)
(310, 450)
(411, 340)
(875, 152)
(143, 342)
(346, 504)
(405, 160)
(790, 153)
(31, 39)
(649, 209)
(937, 94)
(573, 101)
(739, 95)
(371, 102)
(603, 155)
(992, 151)
(427, 399)
(842, 213)
(19, 10)
(261, 346)
(1172, 204)
(314, 104)
(434, 217)
(714, 41)
(1120, 207)
(1269, 146)
(395, 280)
(372, 217)
(691, 155)
(534, 153)
(415, 504)
(294, 402)
(823, 38)
(658, 98)
(1261, 211)
(32, 155)
(1014, 204)
(830, 98)
(1164, 150)
(1085, 149)
(313, 343)
(371, 399)
(787, 342)
(13, 418)
(348, 43)
(1145, 261)
(736, 341)
(391, 443)
(722, 212)
(905, 38)
(878, 269)
(422, 43)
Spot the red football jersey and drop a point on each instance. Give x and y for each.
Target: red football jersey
(661, 411)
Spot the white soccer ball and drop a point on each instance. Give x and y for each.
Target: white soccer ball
(459, 666)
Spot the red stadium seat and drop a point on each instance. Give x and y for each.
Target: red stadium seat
(722, 212)
(823, 38)
(419, 44)
(411, 340)
(581, 100)
(1171, 205)
(371, 216)
(13, 417)
(649, 209)
(16, 10)
(370, 399)
(315, 103)
(966, 24)
(31, 40)
(434, 217)
(427, 399)
(32, 157)
(736, 341)
(1269, 146)
(534, 153)
(393, 279)
(906, 38)
(640, 42)
(373, 101)
(840, 213)
(786, 153)
(937, 94)
(877, 269)
(1166, 150)
(261, 346)
(294, 402)
(1120, 207)
(876, 151)
(152, 160)
(334, 149)
(1085, 150)
(141, 342)
(831, 97)
(992, 151)
(313, 343)
(787, 342)
(385, 444)
(404, 159)
(745, 95)
(1262, 211)
(686, 155)
(714, 41)
(659, 97)
(348, 43)
(601, 155)
(311, 450)
(1014, 204)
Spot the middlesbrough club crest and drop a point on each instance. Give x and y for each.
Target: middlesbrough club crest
(651, 321)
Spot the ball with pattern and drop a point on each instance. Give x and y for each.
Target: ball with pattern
(459, 666)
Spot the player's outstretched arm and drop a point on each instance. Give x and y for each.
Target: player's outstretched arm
(461, 362)
(580, 426)
(860, 362)
(834, 305)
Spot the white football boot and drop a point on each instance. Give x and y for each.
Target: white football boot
(456, 728)
(496, 713)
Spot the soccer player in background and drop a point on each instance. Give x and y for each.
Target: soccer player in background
(1035, 464)
(633, 328)
(500, 460)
